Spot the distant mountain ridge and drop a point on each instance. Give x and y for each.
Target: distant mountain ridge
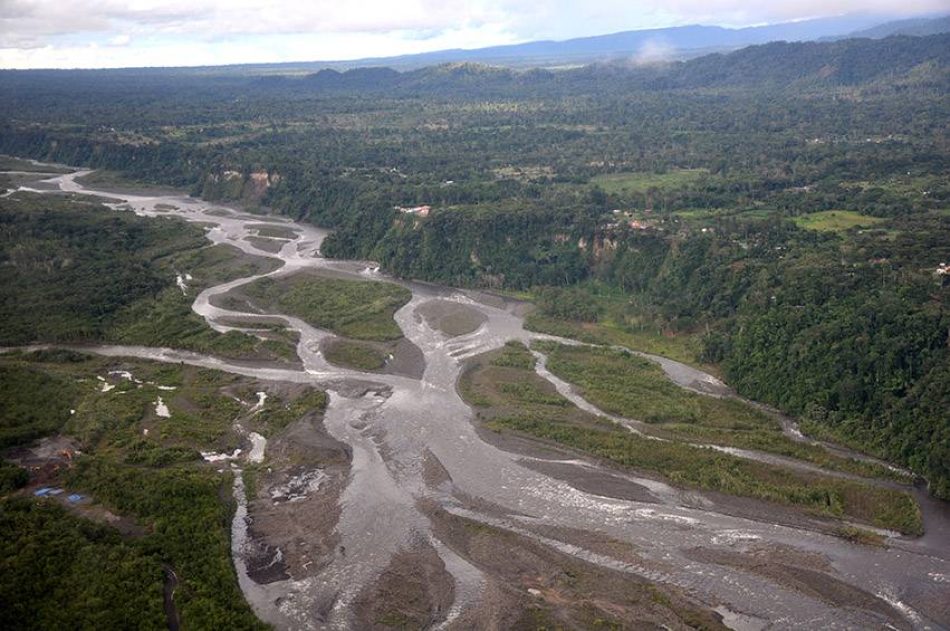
(673, 43)
(917, 27)
(777, 65)
(886, 64)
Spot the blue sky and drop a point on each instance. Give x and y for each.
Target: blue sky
(117, 33)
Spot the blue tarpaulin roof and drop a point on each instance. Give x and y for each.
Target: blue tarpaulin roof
(74, 497)
(42, 492)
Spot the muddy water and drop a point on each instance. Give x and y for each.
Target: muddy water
(392, 422)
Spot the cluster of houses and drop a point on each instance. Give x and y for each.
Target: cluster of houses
(624, 217)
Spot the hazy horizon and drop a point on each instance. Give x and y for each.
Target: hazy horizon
(115, 34)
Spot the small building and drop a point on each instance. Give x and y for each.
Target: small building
(420, 211)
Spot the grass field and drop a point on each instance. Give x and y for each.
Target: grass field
(625, 384)
(508, 396)
(835, 221)
(681, 347)
(274, 231)
(114, 181)
(360, 310)
(9, 163)
(353, 354)
(503, 383)
(638, 183)
(636, 388)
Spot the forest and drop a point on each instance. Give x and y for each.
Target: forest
(151, 515)
(785, 208)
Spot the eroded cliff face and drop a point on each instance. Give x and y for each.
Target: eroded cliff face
(600, 249)
(232, 185)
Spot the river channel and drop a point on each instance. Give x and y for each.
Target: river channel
(391, 425)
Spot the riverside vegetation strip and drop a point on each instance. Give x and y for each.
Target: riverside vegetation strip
(511, 396)
(621, 383)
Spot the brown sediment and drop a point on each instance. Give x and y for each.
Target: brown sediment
(531, 586)
(414, 592)
(593, 480)
(267, 244)
(407, 360)
(402, 357)
(433, 473)
(808, 574)
(593, 541)
(302, 526)
(451, 318)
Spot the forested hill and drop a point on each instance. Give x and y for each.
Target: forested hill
(850, 62)
(918, 27)
(678, 42)
(782, 65)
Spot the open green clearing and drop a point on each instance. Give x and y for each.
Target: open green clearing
(682, 347)
(503, 382)
(639, 183)
(625, 384)
(362, 310)
(9, 163)
(173, 508)
(116, 181)
(274, 231)
(509, 396)
(835, 221)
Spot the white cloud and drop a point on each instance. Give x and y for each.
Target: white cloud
(654, 51)
(36, 33)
